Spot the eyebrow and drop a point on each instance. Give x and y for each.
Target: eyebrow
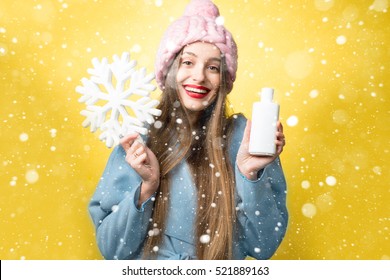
(212, 58)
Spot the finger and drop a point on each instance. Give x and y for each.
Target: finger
(136, 151)
(247, 131)
(279, 146)
(134, 147)
(140, 150)
(140, 161)
(279, 135)
(128, 140)
(280, 142)
(279, 150)
(279, 126)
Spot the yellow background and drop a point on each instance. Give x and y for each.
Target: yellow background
(328, 61)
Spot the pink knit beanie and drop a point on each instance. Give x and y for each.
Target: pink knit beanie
(199, 23)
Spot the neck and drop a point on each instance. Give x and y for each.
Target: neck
(193, 117)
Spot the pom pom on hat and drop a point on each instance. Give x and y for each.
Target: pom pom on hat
(198, 23)
(203, 8)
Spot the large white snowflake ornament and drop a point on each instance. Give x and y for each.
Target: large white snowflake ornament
(112, 92)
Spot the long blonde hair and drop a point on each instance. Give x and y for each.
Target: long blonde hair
(208, 158)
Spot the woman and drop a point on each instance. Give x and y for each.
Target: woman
(192, 191)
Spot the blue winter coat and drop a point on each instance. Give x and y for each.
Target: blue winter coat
(122, 227)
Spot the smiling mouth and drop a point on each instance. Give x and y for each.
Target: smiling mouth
(196, 91)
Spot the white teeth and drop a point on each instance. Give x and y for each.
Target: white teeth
(196, 90)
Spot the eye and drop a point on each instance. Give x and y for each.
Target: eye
(187, 62)
(214, 68)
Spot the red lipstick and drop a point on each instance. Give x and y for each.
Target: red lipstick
(196, 91)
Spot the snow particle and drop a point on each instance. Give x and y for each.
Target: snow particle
(213, 205)
(217, 174)
(32, 176)
(305, 184)
(154, 232)
(330, 181)
(323, 5)
(257, 250)
(309, 210)
(53, 132)
(220, 20)
(176, 104)
(170, 45)
(3, 49)
(341, 40)
(325, 202)
(292, 121)
(314, 93)
(23, 137)
(136, 48)
(257, 212)
(13, 182)
(380, 5)
(155, 249)
(204, 239)
(158, 124)
(340, 117)
(377, 170)
(179, 121)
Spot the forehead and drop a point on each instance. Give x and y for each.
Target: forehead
(202, 50)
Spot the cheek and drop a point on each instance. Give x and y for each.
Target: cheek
(215, 93)
(181, 75)
(215, 81)
(178, 78)
(216, 86)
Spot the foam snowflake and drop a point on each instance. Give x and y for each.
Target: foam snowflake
(113, 91)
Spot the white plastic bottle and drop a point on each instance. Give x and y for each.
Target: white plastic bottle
(265, 115)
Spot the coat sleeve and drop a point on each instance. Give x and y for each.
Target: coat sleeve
(121, 227)
(262, 215)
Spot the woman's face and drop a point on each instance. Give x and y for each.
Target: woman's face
(198, 76)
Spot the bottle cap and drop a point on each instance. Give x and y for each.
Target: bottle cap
(267, 94)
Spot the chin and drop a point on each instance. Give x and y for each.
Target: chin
(196, 107)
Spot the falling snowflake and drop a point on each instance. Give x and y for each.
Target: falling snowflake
(107, 97)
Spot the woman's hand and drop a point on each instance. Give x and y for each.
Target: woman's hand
(144, 162)
(249, 164)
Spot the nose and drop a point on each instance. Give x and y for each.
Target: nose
(198, 74)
